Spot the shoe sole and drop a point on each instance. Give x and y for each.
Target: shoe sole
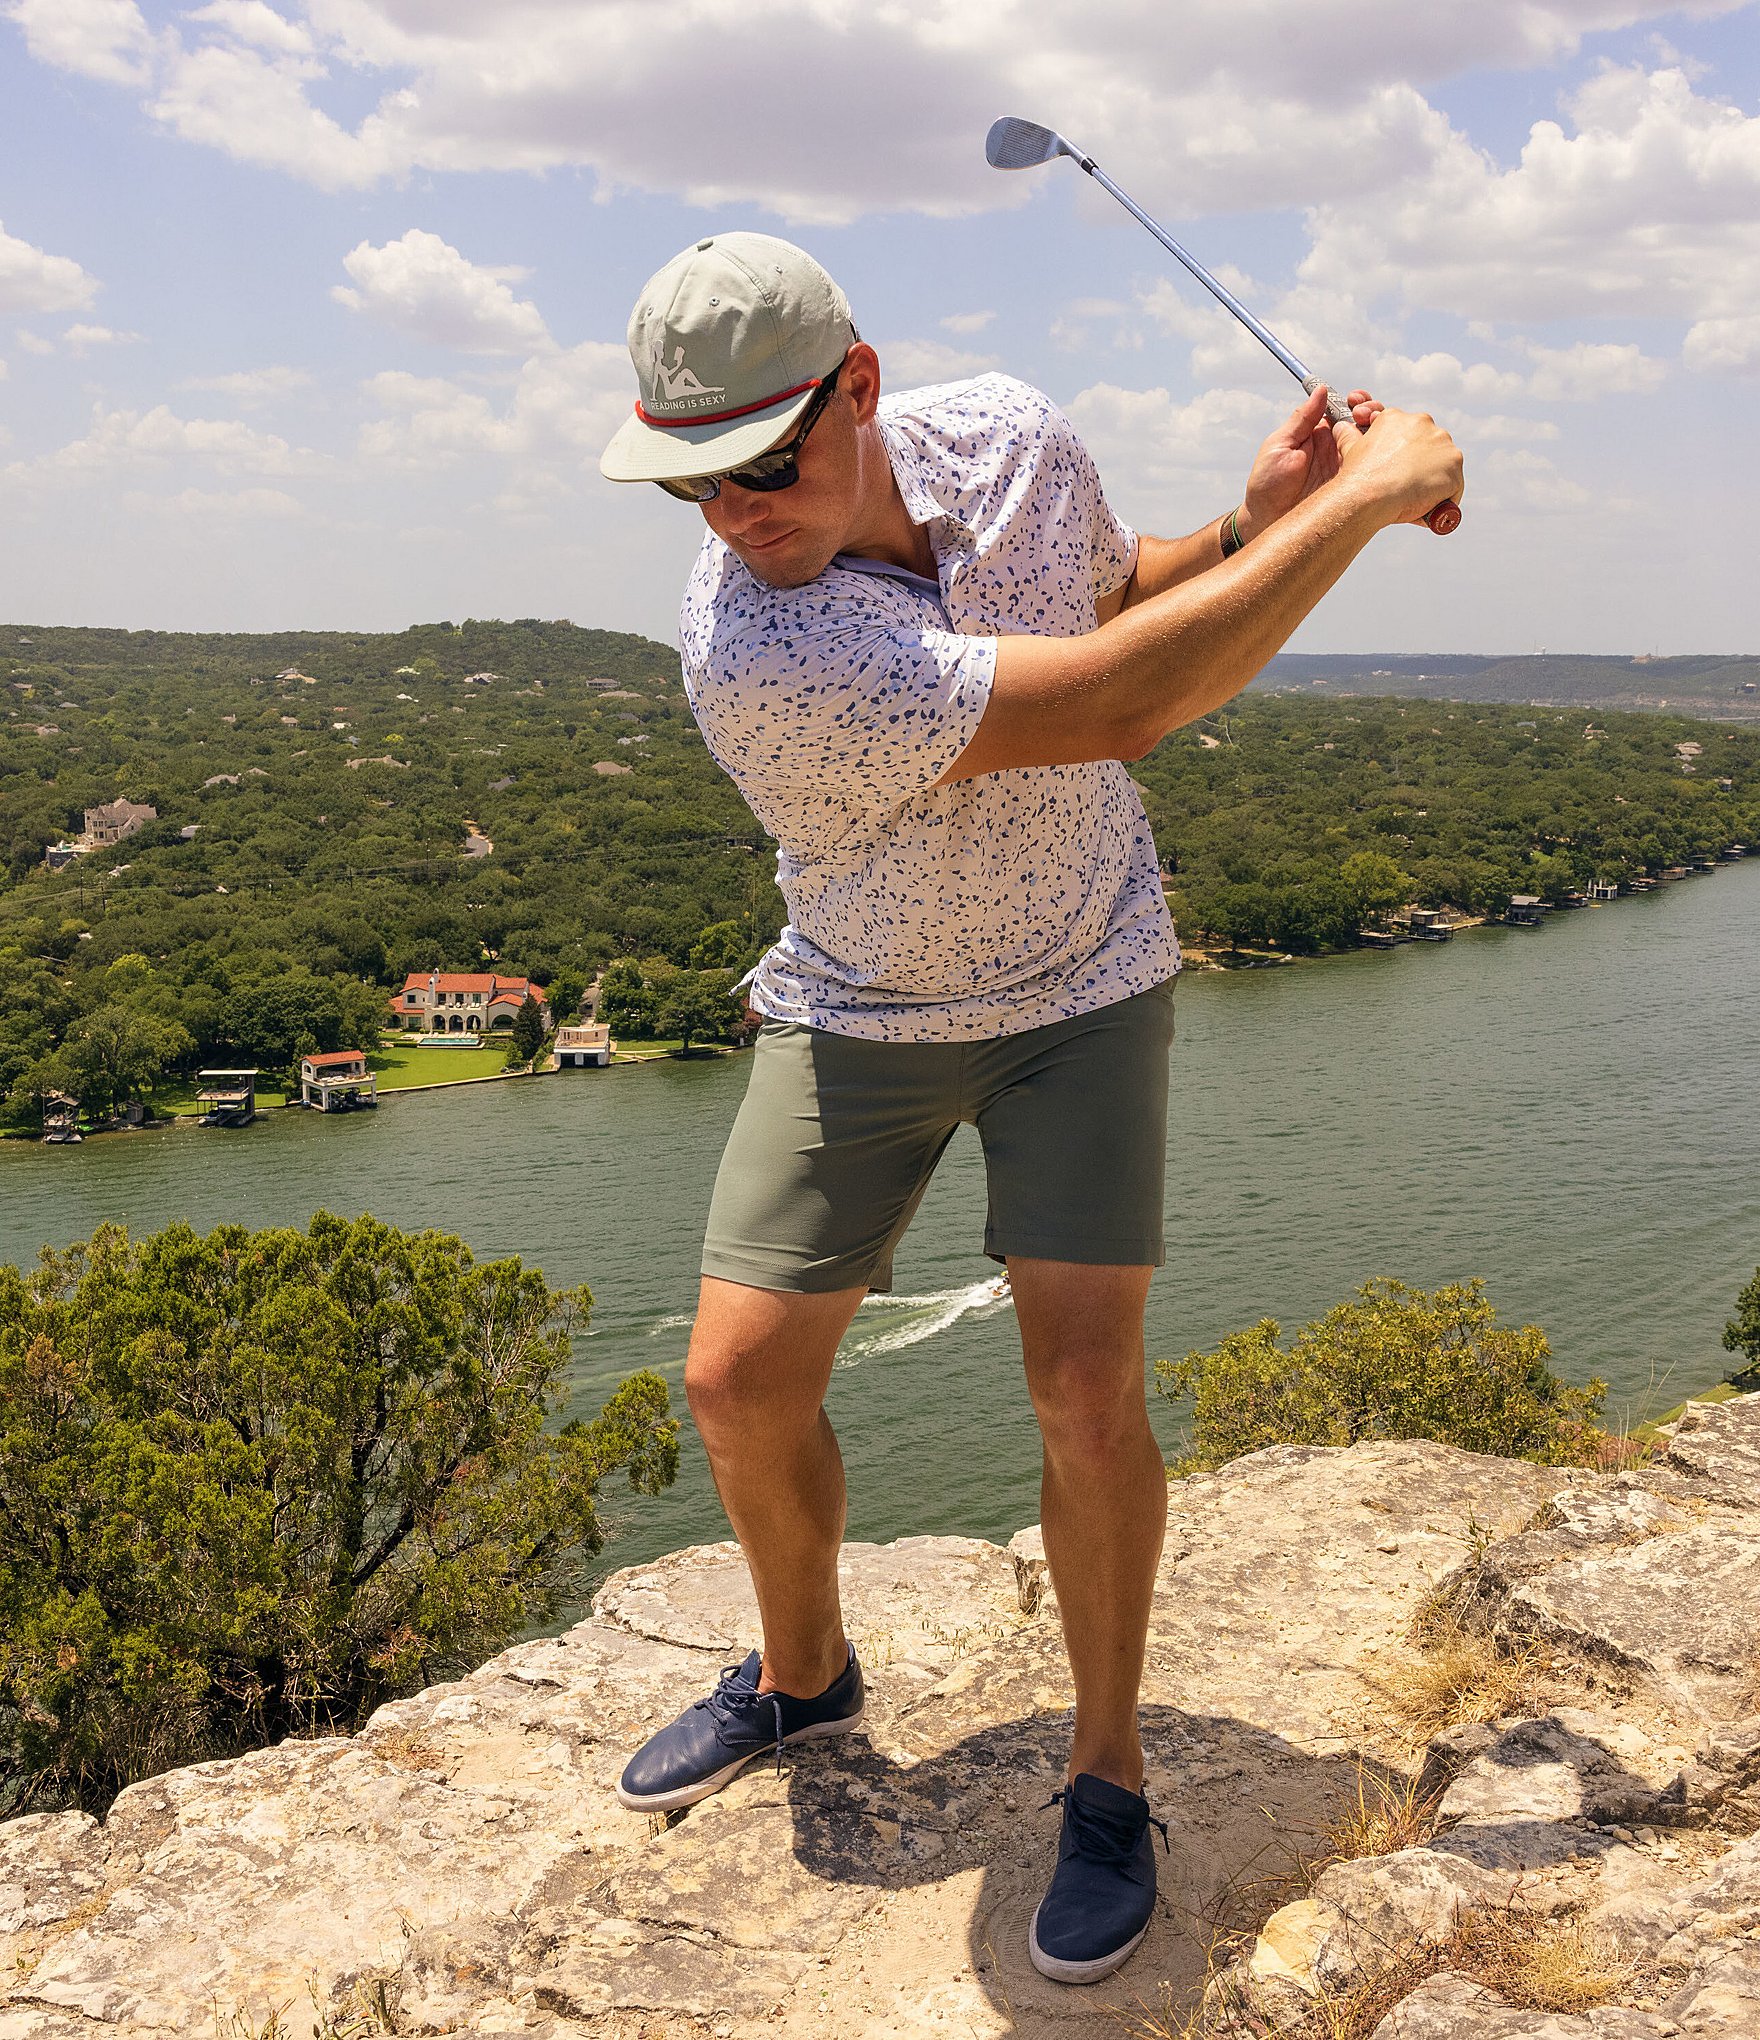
(1060, 1971)
(688, 1795)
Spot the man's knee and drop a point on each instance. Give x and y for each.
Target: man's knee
(1090, 1404)
(760, 1359)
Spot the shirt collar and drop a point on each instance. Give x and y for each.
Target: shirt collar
(929, 493)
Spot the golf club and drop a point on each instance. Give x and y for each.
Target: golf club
(1020, 144)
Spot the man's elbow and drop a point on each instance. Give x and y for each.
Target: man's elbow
(1138, 737)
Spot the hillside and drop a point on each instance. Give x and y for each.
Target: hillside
(334, 810)
(1716, 686)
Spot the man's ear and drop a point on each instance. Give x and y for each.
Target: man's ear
(860, 380)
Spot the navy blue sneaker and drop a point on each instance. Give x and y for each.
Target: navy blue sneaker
(717, 1736)
(1103, 1889)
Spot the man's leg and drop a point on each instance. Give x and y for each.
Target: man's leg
(759, 1363)
(1104, 1495)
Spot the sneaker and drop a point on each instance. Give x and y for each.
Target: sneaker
(716, 1737)
(1103, 1889)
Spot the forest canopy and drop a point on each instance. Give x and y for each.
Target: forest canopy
(335, 810)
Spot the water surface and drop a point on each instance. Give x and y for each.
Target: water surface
(1570, 1112)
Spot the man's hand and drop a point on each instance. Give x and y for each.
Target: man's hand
(1302, 455)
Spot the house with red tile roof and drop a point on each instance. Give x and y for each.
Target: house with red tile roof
(337, 1081)
(460, 1001)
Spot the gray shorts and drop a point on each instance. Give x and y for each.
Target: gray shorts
(838, 1137)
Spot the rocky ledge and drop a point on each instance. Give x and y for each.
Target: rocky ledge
(461, 1866)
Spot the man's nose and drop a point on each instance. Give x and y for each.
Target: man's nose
(738, 510)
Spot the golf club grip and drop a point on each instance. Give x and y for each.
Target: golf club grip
(1446, 517)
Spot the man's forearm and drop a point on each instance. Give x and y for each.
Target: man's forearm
(1180, 653)
(1164, 563)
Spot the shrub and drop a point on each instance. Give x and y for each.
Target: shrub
(253, 1483)
(1392, 1362)
(1742, 1335)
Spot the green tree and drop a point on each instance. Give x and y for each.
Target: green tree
(698, 1006)
(565, 991)
(1392, 1362)
(112, 1057)
(626, 1002)
(255, 1482)
(529, 1029)
(721, 946)
(1742, 1334)
(1376, 886)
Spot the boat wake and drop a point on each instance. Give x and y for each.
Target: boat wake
(885, 1324)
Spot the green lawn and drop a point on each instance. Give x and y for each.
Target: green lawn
(399, 1063)
(175, 1097)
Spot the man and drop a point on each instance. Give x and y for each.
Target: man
(923, 646)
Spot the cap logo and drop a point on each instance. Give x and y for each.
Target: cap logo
(676, 383)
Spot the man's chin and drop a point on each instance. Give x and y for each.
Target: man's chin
(788, 565)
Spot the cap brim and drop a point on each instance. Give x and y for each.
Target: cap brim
(640, 452)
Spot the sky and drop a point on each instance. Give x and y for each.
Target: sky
(312, 314)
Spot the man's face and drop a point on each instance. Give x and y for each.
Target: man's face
(788, 536)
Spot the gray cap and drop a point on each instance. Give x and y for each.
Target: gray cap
(729, 340)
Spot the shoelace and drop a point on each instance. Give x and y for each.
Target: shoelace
(730, 1704)
(1101, 1837)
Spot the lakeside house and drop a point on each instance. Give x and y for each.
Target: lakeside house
(1429, 924)
(461, 1001)
(1526, 910)
(584, 1047)
(1604, 889)
(338, 1081)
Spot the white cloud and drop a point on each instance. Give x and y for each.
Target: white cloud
(107, 39)
(31, 281)
(122, 439)
(1074, 328)
(907, 364)
(563, 407)
(254, 385)
(82, 339)
(1591, 369)
(254, 21)
(1144, 440)
(966, 323)
(1519, 480)
(882, 98)
(33, 343)
(222, 503)
(422, 286)
(1651, 206)
(1723, 346)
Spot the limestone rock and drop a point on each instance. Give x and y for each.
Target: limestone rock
(1451, 2008)
(462, 1866)
(1715, 1451)
(913, 1607)
(1547, 1771)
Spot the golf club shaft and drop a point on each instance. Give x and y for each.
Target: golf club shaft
(1445, 517)
(1296, 367)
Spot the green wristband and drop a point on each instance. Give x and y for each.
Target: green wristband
(1232, 540)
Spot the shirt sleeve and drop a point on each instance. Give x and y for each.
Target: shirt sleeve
(873, 711)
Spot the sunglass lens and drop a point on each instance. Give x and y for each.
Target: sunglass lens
(692, 488)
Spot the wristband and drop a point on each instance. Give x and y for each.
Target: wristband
(1232, 540)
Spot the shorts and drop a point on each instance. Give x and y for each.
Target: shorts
(838, 1136)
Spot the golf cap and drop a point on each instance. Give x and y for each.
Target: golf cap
(730, 340)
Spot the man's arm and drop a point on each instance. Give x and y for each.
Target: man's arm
(1172, 657)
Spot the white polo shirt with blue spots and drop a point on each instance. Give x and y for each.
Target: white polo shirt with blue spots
(918, 912)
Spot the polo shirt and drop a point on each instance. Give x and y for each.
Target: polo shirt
(919, 912)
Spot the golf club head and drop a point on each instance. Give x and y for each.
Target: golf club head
(1019, 144)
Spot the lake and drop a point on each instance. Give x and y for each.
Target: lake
(1570, 1112)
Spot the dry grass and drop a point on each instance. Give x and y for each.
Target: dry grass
(1556, 1964)
(407, 1748)
(1387, 1815)
(1459, 1675)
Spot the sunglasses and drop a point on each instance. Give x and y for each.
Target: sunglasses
(777, 469)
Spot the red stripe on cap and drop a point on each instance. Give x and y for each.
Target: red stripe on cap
(721, 417)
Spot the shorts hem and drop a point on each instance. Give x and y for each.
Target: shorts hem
(1137, 1251)
(817, 1280)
